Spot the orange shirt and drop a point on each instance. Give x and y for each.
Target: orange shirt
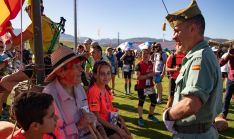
(179, 59)
(19, 135)
(100, 101)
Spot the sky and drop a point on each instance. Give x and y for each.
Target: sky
(133, 18)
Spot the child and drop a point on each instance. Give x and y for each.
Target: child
(34, 112)
(100, 102)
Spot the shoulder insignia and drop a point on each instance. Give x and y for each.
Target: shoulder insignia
(196, 67)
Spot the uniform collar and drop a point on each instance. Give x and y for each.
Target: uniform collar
(201, 45)
(62, 92)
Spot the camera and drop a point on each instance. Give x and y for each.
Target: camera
(231, 51)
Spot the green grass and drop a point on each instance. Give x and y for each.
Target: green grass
(128, 110)
(127, 106)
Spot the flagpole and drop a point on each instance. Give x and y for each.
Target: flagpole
(38, 46)
(75, 25)
(21, 30)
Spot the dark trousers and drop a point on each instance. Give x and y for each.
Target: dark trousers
(228, 96)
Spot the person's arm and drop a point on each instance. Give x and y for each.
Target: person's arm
(16, 40)
(197, 88)
(185, 108)
(122, 122)
(142, 77)
(168, 64)
(116, 62)
(225, 59)
(106, 124)
(164, 65)
(123, 56)
(86, 120)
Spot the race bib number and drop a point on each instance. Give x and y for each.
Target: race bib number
(126, 68)
(147, 82)
(149, 91)
(113, 118)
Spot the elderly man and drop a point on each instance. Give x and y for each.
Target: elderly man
(197, 99)
(70, 99)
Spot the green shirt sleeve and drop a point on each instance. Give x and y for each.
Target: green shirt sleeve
(200, 79)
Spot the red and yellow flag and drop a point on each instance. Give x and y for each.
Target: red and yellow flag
(9, 10)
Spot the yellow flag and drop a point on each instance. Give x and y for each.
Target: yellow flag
(5, 13)
(164, 27)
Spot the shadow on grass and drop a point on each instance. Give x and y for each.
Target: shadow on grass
(150, 130)
(128, 108)
(227, 134)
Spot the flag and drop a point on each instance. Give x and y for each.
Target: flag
(9, 10)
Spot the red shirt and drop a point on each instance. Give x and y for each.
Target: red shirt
(144, 68)
(229, 59)
(100, 101)
(179, 60)
(19, 135)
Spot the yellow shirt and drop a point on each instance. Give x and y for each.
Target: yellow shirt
(47, 34)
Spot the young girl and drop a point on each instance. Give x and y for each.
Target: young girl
(100, 102)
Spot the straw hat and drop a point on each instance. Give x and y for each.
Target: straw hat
(60, 57)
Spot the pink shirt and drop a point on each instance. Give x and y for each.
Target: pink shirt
(68, 109)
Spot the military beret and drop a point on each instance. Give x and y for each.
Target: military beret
(183, 15)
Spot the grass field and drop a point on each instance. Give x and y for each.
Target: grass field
(128, 110)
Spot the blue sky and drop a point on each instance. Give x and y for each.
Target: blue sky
(134, 18)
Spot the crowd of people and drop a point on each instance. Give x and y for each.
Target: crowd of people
(77, 99)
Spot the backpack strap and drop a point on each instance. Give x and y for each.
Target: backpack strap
(173, 63)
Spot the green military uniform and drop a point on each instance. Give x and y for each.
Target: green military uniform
(199, 76)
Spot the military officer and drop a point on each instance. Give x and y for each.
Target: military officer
(197, 99)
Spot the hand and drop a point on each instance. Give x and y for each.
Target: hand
(9, 26)
(87, 119)
(123, 125)
(169, 124)
(177, 68)
(123, 134)
(151, 74)
(82, 123)
(92, 119)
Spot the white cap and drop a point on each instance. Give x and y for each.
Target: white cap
(214, 49)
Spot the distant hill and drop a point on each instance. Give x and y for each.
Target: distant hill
(114, 42)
